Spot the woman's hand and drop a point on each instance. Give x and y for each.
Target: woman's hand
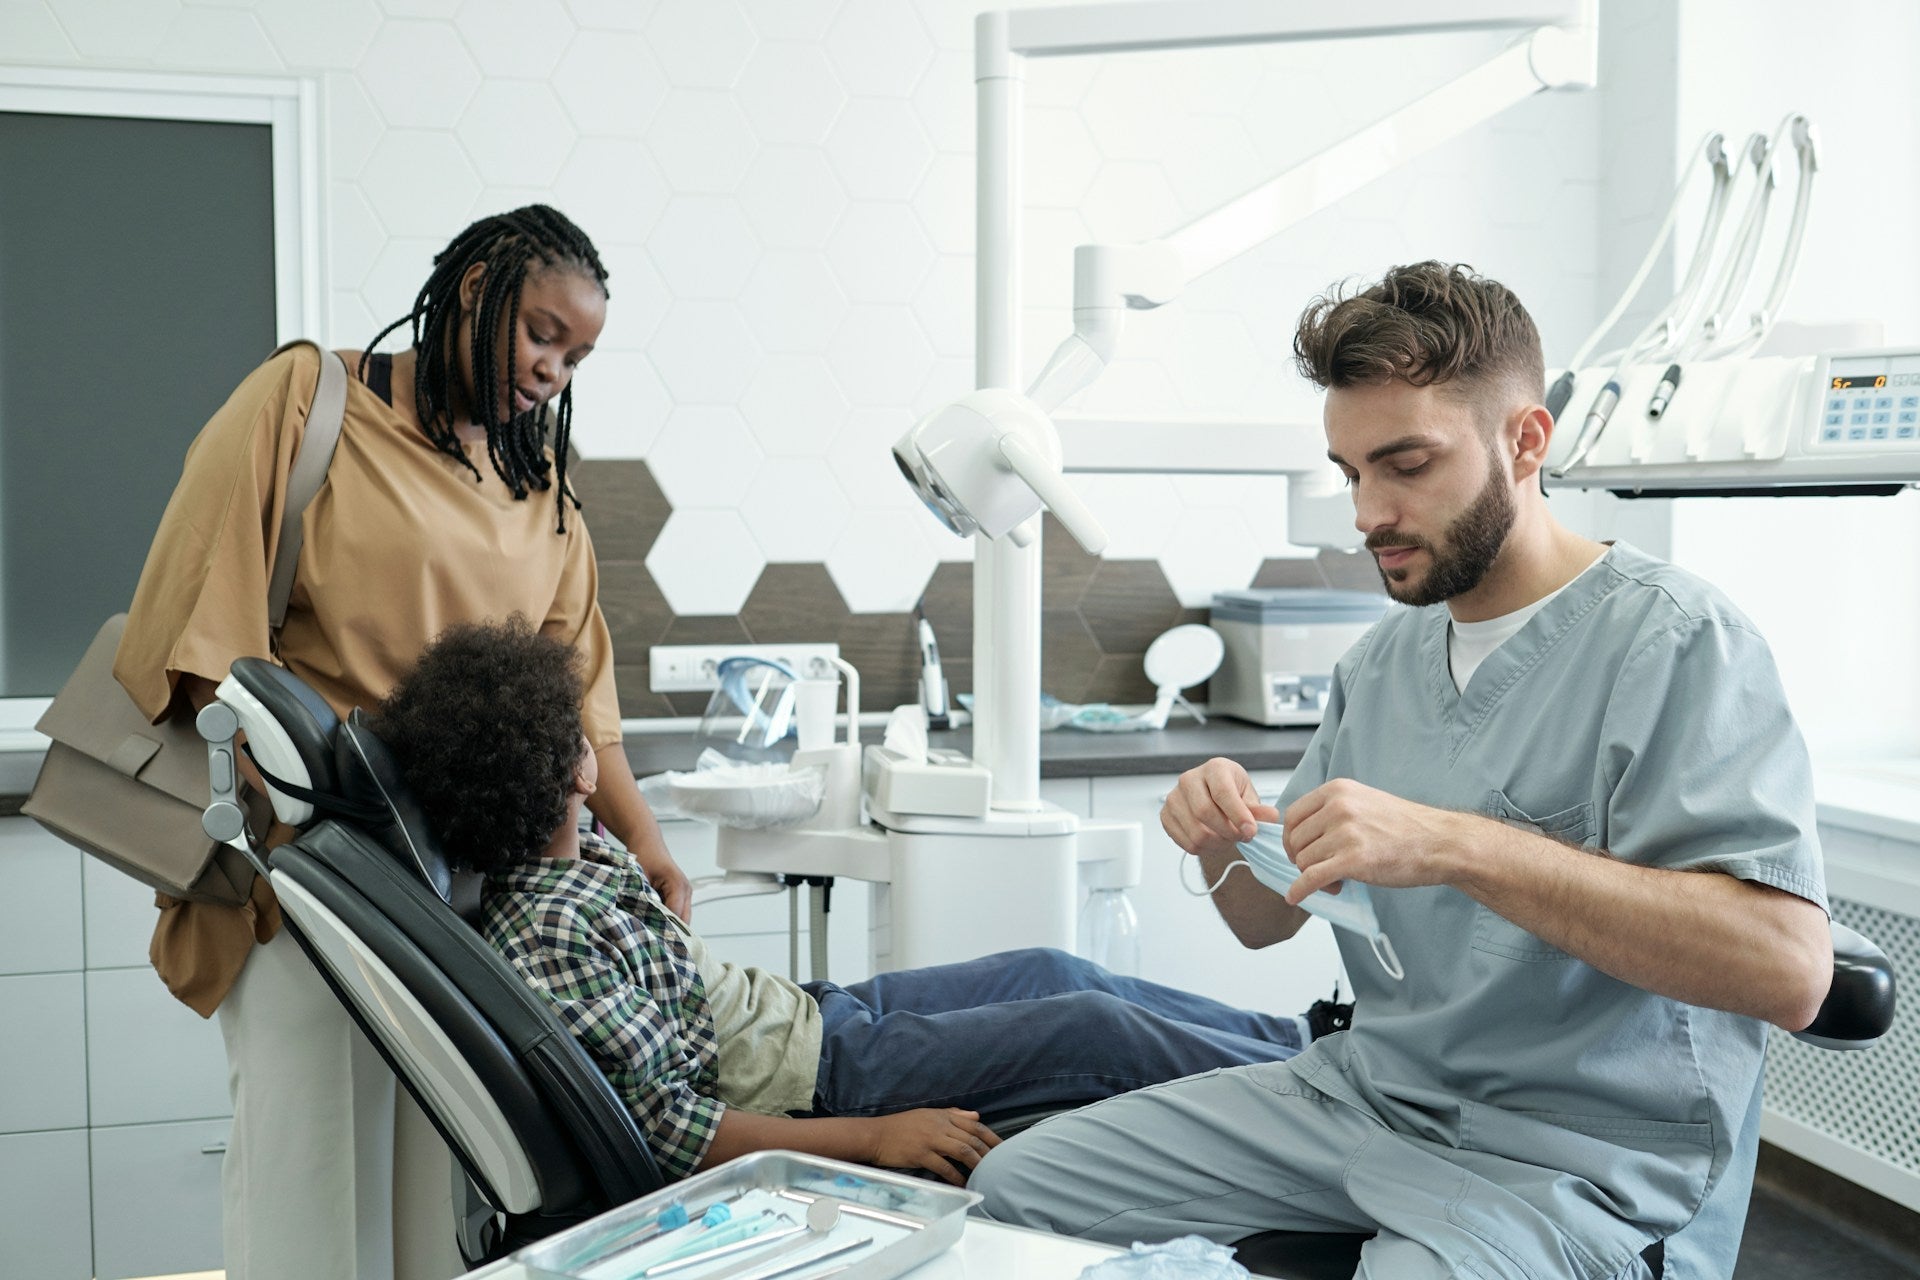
(668, 880)
(945, 1141)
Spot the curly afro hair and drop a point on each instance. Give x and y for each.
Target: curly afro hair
(487, 731)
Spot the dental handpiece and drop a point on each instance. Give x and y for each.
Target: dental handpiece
(1597, 418)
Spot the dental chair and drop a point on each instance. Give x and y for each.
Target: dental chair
(1857, 1012)
(541, 1139)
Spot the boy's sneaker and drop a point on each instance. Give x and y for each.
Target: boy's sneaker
(1324, 1017)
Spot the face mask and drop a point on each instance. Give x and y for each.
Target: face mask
(1350, 909)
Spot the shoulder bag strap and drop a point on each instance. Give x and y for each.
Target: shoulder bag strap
(308, 473)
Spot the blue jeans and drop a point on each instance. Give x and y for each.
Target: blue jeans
(1019, 1030)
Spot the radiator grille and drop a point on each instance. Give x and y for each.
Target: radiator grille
(1869, 1100)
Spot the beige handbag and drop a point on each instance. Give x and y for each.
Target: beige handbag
(131, 793)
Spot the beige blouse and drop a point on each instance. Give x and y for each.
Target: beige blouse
(399, 543)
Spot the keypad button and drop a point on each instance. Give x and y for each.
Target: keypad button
(1908, 415)
(1906, 402)
(1880, 433)
(1905, 433)
(1836, 419)
(1863, 402)
(1883, 418)
(1830, 434)
(1837, 402)
(1856, 433)
(1883, 402)
(1858, 420)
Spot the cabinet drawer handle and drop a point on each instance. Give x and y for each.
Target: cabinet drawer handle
(215, 1148)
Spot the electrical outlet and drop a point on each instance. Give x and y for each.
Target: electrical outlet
(691, 668)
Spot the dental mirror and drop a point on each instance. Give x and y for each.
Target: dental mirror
(1179, 659)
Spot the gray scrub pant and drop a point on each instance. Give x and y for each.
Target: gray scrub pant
(1238, 1151)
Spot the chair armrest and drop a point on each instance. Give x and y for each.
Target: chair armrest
(1859, 1006)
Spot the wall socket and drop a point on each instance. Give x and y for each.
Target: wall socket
(691, 668)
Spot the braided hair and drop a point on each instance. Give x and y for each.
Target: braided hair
(511, 245)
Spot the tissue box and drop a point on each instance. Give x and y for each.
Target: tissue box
(946, 784)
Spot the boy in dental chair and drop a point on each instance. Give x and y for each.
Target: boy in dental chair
(715, 1060)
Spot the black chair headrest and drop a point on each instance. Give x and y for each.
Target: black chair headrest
(309, 722)
(370, 776)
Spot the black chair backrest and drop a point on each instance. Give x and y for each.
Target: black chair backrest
(370, 775)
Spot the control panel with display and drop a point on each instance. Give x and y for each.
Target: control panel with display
(1871, 402)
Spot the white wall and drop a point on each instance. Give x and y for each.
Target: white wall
(1834, 583)
(783, 191)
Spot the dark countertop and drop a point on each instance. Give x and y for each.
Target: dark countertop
(1067, 753)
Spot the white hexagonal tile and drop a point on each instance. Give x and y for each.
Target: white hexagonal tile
(610, 83)
(950, 378)
(879, 355)
(612, 189)
(950, 24)
(420, 184)
(1211, 550)
(881, 562)
(944, 306)
(1060, 160)
(516, 132)
(1126, 110)
(1130, 200)
(309, 35)
(794, 407)
(793, 302)
(637, 297)
(501, 198)
(1138, 512)
(1048, 238)
(703, 247)
(1217, 361)
(704, 456)
(1062, 82)
(1219, 82)
(519, 38)
(124, 30)
(792, 198)
(353, 126)
(862, 460)
(420, 8)
(619, 405)
(789, 93)
(1215, 162)
(703, 44)
(879, 252)
(394, 280)
(702, 141)
(350, 325)
(795, 510)
(945, 100)
(609, 15)
(217, 40)
(418, 75)
(791, 19)
(879, 151)
(354, 235)
(705, 562)
(1130, 387)
(945, 202)
(1264, 509)
(879, 47)
(31, 34)
(705, 353)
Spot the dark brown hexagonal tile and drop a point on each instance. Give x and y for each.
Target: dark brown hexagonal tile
(637, 614)
(1068, 655)
(948, 602)
(1126, 604)
(1120, 678)
(1292, 571)
(706, 628)
(1065, 569)
(636, 699)
(884, 649)
(623, 504)
(793, 603)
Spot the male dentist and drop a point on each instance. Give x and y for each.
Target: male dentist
(1570, 780)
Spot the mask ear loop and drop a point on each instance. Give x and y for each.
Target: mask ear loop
(1208, 891)
(1383, 952)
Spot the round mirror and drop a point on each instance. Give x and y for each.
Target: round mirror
(1184, 656)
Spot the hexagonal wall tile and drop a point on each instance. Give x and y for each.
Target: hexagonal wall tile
(518, 38)
(793, 302)
(1217, 360)
(705, 353)
(701, 43)
(1215, 162)
(637, 613)
(795, 509)
(879, 253)
(394, 280)
(703, 247)
(704, 457)
(1130, 200)
(419, 75)
(420, 184)
(948, 605)
(1068, 655)
(794, 407)
(516, 132)
(608, 15)
(217, 40)
(792, 197)
(115, 29)
(354, 234)
(1061, 160)
(638, 297)
(705, 562)
(1210, 551)
(790, 93)
(353, 126)
(879, 151)
(610, 83)
(791, 19)
(880, 562)
(702, 141)
(945, 203)
(1126, 110)
(944, 306)
(793, 603)
(612, 189)
(34, 35)
(862, 458)
(879, 47)
(879, 355)
(619, 406)
(884, 648)
(1139, 512)
(944, 100)
(1126, 604)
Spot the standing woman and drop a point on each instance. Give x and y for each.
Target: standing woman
(446, 501)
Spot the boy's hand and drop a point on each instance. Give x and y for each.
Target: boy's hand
(945, 1141)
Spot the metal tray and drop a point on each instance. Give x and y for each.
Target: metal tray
(932, 1215)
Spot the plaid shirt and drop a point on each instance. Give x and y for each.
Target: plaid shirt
(593, 937)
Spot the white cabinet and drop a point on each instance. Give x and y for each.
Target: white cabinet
(1183, 942)
(149, 1057)
(43, 1052)
(40, 911)
(156, 1199)
(45, 1231)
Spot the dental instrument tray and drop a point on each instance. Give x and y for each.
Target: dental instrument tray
(772, 1215)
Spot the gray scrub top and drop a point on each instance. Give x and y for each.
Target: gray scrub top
(1638, 713)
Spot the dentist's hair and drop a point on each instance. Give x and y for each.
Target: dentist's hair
(1428, 324)
(512, 245)
(486, 728)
